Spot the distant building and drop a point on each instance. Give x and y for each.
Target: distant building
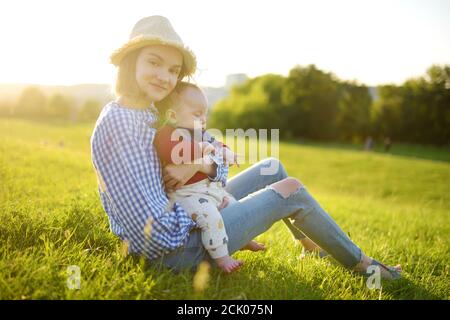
(214, 94)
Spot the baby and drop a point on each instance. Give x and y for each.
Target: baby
(185, 108)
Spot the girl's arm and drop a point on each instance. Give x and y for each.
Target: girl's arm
(134, 189)
(177, 175)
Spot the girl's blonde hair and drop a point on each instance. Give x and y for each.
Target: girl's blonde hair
(126, 84)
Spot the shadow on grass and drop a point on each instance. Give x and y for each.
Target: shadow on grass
(280, 283)
(405, 289)
(401, 289)
(283, 284)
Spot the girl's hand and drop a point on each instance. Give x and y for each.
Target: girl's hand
(176, 176)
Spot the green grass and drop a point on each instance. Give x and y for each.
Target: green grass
(395, 207)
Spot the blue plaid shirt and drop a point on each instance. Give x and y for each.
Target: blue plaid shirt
(131, 186)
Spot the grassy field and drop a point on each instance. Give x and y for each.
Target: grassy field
(394, 206)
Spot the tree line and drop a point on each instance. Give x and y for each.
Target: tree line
(308, 103)
(33, 103)
(313, 104)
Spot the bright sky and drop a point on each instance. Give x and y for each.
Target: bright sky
(375, 42)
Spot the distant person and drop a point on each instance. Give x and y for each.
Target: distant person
(368, 146)
(387, 144)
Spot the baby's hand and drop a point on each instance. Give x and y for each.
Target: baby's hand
(224, 204)
(229, 157)
(206, 148)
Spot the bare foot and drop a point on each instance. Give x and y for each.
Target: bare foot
(254, 246)
(309, 245)
(228, 264)
(386, 272)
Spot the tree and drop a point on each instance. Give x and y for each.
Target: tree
(90, 110)
(254, 104)
(31, 103)
(353, 117)
(388, 112)
(311, 97)
(59, 107)
(438, 79)
(418, 110)
(6, 108)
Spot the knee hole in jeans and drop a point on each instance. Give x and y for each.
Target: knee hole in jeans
(286, 187)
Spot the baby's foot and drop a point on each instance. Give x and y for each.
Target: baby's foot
(254, 246)
(228, 264)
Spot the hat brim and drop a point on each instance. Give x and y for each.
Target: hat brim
(189, 59)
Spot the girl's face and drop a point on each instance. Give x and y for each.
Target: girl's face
(157, 70)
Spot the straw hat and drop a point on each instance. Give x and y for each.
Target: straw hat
(155, 30)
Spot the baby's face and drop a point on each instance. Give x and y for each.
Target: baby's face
(192, 108)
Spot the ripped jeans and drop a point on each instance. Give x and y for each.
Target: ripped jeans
(257, 209)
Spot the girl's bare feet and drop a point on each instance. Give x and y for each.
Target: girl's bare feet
(309, 245)
(254, 246)
(228, 264)
(386, 272)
